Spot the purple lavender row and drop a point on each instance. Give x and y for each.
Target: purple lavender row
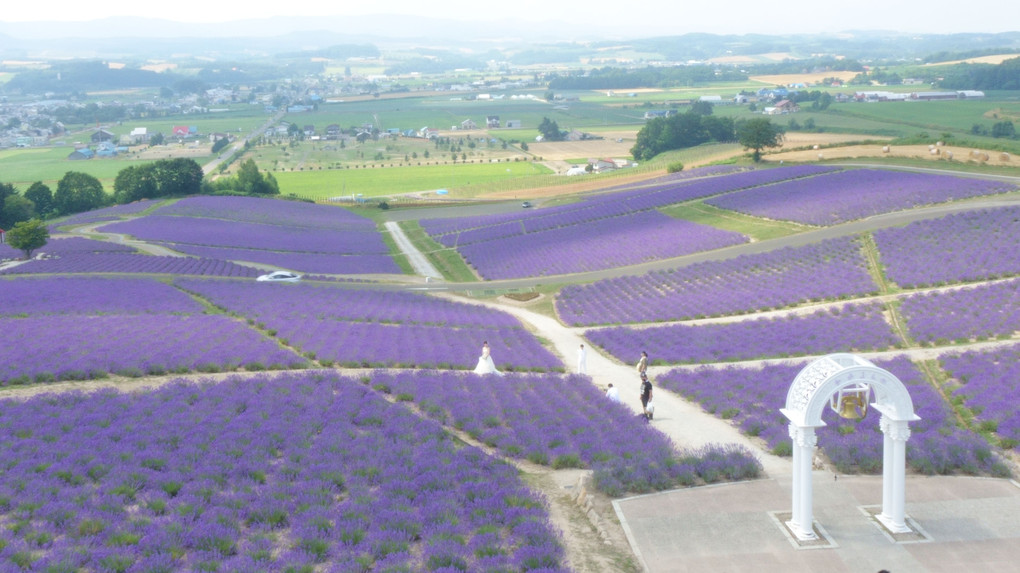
(68, 246)
(106, 213)
(330, 264)
(90, 347)
(220, 233)
(282, 303)
(614, 204)
(374, 345)
(620, 241)
(962, 247)
(828, 270)
(126, 263)
(695, 173)
(268, 211)
(980, 312)
(88, 295)
(566, 422)
(843, 196)
(990, 381)
(300, 472)
(752, 399)
(851, 328)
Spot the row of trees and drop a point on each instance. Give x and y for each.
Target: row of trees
(694, 128)
(78, 192)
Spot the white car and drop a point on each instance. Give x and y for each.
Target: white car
(280, 276)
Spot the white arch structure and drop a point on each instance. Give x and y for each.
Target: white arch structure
(809, 394)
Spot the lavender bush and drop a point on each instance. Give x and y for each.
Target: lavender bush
(307, 472)
(827, 270)
(61, 347)
(331, 264)
(91, 295)
(128, 263)
(565, 422)
(268, 211)
(380, 328)
(752, 398)
(842, 196)
(60, 247)
(989, 384)
(973, 313)
(963, 247)
(225, 233)
(619, 241)
(850, 328)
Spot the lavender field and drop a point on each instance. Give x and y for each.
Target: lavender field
(602, 231)
(299, 472)
(76, 328)
(67, 246)
(101, 262)
(963, 247)
(376, 328)
(850, 328)
(287, 234)
(988, 385)
(752, 399)
(838, 197)
(961, 315)
(829, 270)
(566, 422)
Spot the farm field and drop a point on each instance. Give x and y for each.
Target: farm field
(367, 367)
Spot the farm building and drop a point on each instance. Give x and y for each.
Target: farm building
(139, 134)
(515, 123)
(179, 131)
(931, 96)
(468, 124)
(659, 113)
(102, 135)
(970, 94)
(492, 121)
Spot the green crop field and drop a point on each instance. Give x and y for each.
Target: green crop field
(953, 115)
(382, 182)
(22, 167)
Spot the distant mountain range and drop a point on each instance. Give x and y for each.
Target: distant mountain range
(140, 39)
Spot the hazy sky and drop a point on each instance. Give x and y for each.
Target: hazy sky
(652, 16)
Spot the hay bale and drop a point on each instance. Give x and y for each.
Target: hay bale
(1003, 156)
(885, 149)
(815, 146)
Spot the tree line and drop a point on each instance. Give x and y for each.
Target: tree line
(77, 192)
(698, 126)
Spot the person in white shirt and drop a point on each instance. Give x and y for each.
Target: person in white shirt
(612, 393)
(582, 360)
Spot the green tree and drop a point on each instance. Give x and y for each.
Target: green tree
(41, 196)
(6, 190)
(758, 134)
(134, 183)
(78, 192)
(1003, 129)
(550, 130)
(250, 181)
(220, 144)
(157, 139)
(27, 236)
(701, 108)
(16, 209)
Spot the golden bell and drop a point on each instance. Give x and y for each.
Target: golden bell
(852, 407)
(852, 403)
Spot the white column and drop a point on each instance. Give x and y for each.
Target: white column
(802, 521)
(887, 462)
(896, 435)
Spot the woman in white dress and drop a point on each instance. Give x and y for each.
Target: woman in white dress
(485, 363)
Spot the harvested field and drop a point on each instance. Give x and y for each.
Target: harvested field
(994, 60)
(174, 152)
(806, 79)
(608, 147)
(945, 153)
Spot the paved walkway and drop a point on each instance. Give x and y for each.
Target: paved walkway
(963, 523)
(419, 262)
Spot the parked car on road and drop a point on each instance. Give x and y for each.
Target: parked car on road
(526, 204)
(280, 277)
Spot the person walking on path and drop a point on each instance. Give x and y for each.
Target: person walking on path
(582, 360)
(646, 396)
